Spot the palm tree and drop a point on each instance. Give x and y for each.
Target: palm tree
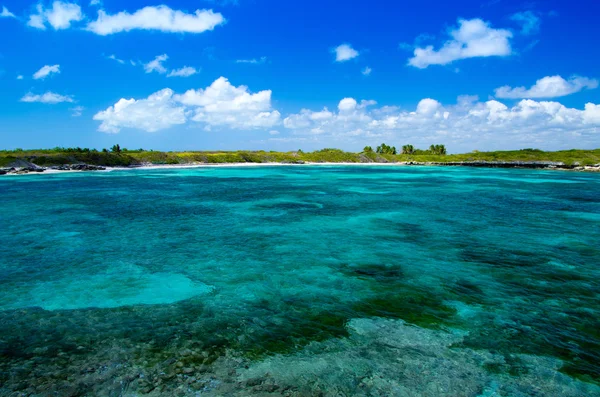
(408, 149)
(438, 149)
(385, 149)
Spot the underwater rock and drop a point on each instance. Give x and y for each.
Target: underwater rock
(392, 358)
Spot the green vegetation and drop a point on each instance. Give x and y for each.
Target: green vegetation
(385, 149)
(118, 156)
(438, 149)
(408, 149)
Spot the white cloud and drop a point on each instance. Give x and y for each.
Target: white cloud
(344, 53)
(185, 71)
(114, 58)
(59, 16)
(156, 65)
(591, 114)
(6, 14)
(48, 97)
(428, 107)
(548, 87)
(467, 125)
(154, 113)
(62, 14)
(253, 61)
(37, 20)
(222, 104)
(161, 18)
(219, 105)
(530, 23)
(20, 77)
(347, 104)
(352, 119)
(95, 3)
(367, 71)
(473, 38)
(45, 71)
(77, 111)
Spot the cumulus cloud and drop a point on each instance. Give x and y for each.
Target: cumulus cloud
(185, 71)
(591, 114)
(156, 64)
(530, 23)
(161, 18)
(253, 61)
(219, 105)
(37, 20)
(60, 16)
(20, 77)
(548, 87)
(352, 119)
(223, 104)
(45, 71)
(464, 124)
(344, 53)
(473, 38)
(95, 3)
(366, 71)
(49, 97)
(6, 14)
(154, 113)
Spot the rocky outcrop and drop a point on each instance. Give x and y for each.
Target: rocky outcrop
(30, 167)
(21, 170)
(509, 164)
(23, 164)
(78, 167)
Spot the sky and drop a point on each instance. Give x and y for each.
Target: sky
(288, 75)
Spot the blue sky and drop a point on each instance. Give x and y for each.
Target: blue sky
(284, 75)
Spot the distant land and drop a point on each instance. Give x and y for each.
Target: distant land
(39, 160)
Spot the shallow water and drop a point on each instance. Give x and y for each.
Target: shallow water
(301, 281)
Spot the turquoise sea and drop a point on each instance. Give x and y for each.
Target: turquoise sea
(300, 281)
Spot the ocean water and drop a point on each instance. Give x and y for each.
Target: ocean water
(300, 281)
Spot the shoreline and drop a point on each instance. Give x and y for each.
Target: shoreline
(539, 165)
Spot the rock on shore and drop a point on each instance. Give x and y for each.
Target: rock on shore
(512, 164)
(30, 167)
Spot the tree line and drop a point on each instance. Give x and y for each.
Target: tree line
(114, 149)
(407, 149)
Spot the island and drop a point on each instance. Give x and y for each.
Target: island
(19, 161)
